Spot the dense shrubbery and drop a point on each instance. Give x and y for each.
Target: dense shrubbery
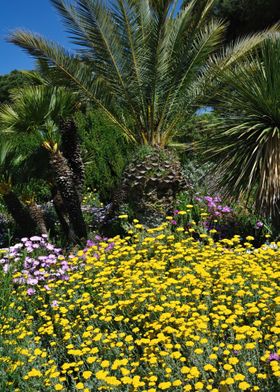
(217, 217)
(161, 309)
(105, 150)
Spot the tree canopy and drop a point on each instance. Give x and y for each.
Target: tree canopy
(14, 80)
(247, 16)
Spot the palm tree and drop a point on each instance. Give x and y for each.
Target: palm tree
(246, 144)
(143, 62)
(10, 162)
(147, 64)
(41, 110)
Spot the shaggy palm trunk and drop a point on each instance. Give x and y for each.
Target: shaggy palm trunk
(62, 215)
(20, 214)
(38, 217)
(71, 200)
(275, 218)
(70, 147)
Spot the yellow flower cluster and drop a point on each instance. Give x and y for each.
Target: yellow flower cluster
(161, 311)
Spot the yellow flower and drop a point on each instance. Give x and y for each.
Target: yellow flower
(58, 387)
(239, 377)
(91, 360)
(250, 346)
(244, 386)
(113, 381)
(34, 373)
(80, 386)
(252, 370)
(198, 386)
(164, 385)
(233, 360)
(87, 374)
(229, 381)
(185, 370)
(101, 375)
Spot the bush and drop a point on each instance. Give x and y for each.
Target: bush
(105, 152)
(211, 214)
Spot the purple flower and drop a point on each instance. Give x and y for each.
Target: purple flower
(259, 224)
(176, 212)
(54, 304)
(110, 246)
(31, 291)
(90, 243)
(274, 357)
(35, 238)
(32, 281)
(173, 222)
(226, 209)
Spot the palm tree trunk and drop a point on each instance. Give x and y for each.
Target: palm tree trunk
(20, 214)
(64, 180)
(38, 217)
(71, 149)
(275, 218)
(62, 215)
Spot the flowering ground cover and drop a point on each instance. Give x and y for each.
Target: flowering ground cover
(161, 309)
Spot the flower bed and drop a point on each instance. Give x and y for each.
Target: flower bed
(157, 310)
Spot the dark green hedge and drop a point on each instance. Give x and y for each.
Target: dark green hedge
(105, 152)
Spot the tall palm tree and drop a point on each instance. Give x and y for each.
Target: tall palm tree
(147, 64)
(246, 143)
(43, 109)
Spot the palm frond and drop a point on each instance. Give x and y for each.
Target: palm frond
(82, 77)
(146, 64)
(246, 144)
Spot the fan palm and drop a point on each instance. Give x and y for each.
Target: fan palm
(246, 144)
(45, 110)
(10, 161)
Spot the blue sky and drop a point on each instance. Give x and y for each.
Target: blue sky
(35, 15)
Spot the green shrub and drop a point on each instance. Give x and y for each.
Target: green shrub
(105, 152)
